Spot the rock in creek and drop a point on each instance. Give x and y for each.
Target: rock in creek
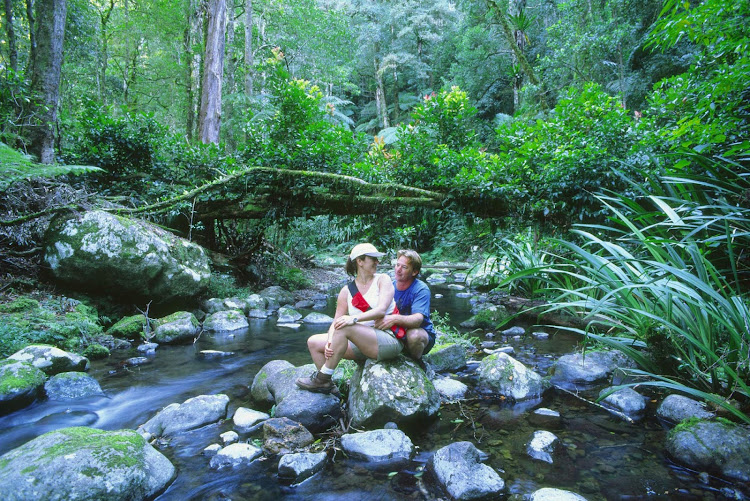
(70, 385)
(180, 327)
(282, 436)
(550, 494)
(234, 455)
(712, 446)
(20, 384)
(503, 375)
(192, 413)
(458, 469)
(378, 446)
(675, 408)
(394, 390)
(85, 463)
(584, 369)
(299, 466)
(225, 321)
(100, 252)
(51, 360)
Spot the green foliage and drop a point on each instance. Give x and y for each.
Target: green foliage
(587, 145)
(16, 102)
(95, 352)
(223, 286)
(65, 323)
(646, 282)
(121, 145)
(448, 334)
(296, 128)
(291, 278)
(16, 167)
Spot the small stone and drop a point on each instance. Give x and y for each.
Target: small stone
(229, 437)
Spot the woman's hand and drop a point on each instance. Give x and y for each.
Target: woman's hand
(343, 321)
(328, 351)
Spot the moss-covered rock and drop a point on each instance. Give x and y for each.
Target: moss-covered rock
(69, 385)
(131, 327)
(505, 376)
(446, 357)
(179, 327)
(491, 317)
(96, 352)
(20, 384)
(19, 304)
(50, 359)
(84, 463)
(100, 252)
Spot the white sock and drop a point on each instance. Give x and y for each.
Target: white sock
(326, 370)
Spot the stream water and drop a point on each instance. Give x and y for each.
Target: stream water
(605, 457)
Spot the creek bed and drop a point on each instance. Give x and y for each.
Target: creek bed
(605, 457)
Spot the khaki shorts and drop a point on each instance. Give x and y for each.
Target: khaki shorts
(388, 346)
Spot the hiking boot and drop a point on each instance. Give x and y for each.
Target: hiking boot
(318, 383)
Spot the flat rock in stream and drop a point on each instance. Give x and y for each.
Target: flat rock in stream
(584, 369)
(459, 470)
(84, 463)
(503, 375)
(51, 360)
(70, 385)
(392, 446)
(192, 413)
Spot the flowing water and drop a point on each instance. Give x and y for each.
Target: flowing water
(604, 457)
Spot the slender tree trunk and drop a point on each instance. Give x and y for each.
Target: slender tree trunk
(104, 51)
(511, 39)
(187, 42)
(231, 66)
(249, 48)
(213, 68)
(12, 50)
(32, 35)
(45, 77)
(515, 8)
(380, 103)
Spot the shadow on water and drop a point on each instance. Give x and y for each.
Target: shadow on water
(603, 457)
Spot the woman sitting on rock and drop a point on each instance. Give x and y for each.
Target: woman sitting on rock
(364, 300)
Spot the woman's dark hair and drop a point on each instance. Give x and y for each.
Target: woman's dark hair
(351, 267)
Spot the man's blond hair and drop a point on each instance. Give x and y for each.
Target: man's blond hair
(414, 260)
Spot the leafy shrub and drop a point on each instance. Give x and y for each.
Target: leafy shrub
(121, 145)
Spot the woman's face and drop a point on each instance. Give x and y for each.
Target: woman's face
(368, 263)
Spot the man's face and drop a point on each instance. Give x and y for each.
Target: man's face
(404, 271)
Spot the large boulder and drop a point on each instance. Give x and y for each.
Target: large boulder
(259, 388)
(70, 385)
(20, 384)
(84, 463)
(503, 375)
(394, 390)
(315, 411)
(712, 446)
(179, 327)
(192, 413)
(225, 321)
(447, 357)
(50, 359)
(101, 252)
(459, 470)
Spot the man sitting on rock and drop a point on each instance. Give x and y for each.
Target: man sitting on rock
(413, 301)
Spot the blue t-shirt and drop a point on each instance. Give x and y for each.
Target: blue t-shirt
(416, 299)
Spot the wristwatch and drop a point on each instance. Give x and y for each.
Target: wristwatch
(355, 320)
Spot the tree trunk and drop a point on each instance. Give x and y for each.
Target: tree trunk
(380, 103)
(213, 68)
(12, 50)
(249, 48)
(104, 51)
(187, 43)
(45, 77)
(32, 35)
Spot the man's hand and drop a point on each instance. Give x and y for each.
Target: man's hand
(386, 322)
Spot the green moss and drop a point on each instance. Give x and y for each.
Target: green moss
(122, 449)
(96, 352)
(19, 305)
(128, 327)
(22, 376)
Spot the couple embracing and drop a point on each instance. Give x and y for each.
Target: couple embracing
(375, 317)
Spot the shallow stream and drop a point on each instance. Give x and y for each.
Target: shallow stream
(605, 457)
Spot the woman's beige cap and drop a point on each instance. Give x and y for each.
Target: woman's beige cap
(360, 250)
